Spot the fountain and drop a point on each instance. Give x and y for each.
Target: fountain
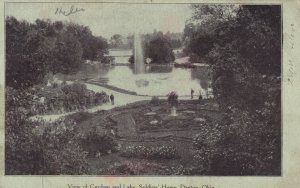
(173, 102)
(138, 54)
(173, 111)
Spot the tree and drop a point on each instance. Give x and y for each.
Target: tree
(116, 41)
(34, 49)
(130, 41)
(159, 50)
(67, 54)
(245, 59)
(93, 47)
(101, 48)
(239, 46)
(201, 45)
(28, 51)
(262, 46)
(158, 47)
(175, 43)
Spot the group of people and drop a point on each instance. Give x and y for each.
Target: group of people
(200, 95)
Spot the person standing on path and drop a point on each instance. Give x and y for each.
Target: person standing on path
(112, 99)
(200, 96)
(192, 93)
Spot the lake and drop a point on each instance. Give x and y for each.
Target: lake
(156, 79)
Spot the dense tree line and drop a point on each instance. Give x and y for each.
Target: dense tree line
(243, 46)
(120, 42)
(33, 49)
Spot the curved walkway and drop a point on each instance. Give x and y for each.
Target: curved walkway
(124, 91)
(121, 99)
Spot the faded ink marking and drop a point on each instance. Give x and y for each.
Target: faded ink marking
(291, 70)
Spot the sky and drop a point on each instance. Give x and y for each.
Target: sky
(106, 19)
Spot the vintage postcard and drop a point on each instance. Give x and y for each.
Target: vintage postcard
(150, 94)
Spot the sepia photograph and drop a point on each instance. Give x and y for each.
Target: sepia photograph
(143, 89)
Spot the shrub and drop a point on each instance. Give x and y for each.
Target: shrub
(234, 163)
(208, 137)
(227, 161)
(154, 100)
(241, 146)
(67, 98)
(79, 116)
(158, 152)
(94, 143)
(60, 146)
(52, 151)
(39, 147)
(117, 169)
(173, 98)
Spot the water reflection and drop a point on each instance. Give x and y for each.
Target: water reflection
(142, 83)
(152, 68)
(157, 80)
(160, 68)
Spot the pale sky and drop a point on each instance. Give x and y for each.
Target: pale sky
(106, 19)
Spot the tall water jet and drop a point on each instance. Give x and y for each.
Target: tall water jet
(138, 54)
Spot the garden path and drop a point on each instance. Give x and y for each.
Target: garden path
(120, 99)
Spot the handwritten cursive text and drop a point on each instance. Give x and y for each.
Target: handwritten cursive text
(72, 10)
